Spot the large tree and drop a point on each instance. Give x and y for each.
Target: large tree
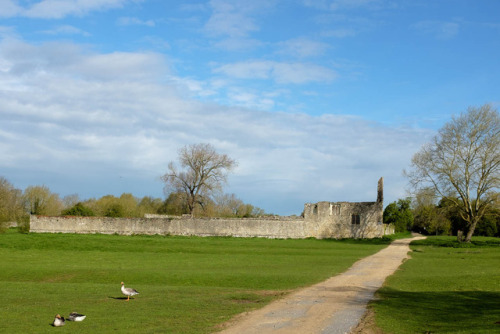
(203, 172)
(462, 163)
(39, 200)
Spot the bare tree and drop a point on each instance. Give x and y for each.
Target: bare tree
(204, 171)
(462, 163)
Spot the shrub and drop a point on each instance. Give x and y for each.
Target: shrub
(78, 210)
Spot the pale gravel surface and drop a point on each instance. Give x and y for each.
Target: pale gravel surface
(333, 306)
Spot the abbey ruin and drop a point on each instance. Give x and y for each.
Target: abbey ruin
(321, 220)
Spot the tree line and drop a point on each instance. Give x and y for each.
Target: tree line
(196, 188)
(422, 215)
(16, 205)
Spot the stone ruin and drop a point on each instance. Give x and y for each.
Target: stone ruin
(349, 219)
(332, 220)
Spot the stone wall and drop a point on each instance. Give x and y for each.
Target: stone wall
(321, 220)
(284, 227)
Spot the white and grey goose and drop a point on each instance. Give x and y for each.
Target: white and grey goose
(73, 316)
(58, 321)
(128, 291)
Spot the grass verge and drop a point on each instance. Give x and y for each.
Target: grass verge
(186, 285)
(445, 287)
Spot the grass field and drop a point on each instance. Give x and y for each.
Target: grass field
(186, 285)
(444, 288)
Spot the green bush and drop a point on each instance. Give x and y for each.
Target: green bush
(115, 210)
(23, 224)
(399, 214)
(78, 210)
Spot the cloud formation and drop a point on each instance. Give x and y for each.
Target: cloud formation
(289, 73)
(440, 30)
(66, 30)
(315, 99)
(56, 9)
(235, 18)
(126, 21)
(87, 118)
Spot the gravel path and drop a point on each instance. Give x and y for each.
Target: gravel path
(333, 306)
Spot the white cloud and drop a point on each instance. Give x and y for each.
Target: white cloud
(9, 8)
(117, 66)
(302, 48)
(238, 44)
(440, 30)
(66, 59)
(230, 18)
(8, 32)
(56, 9)
(66, 30)
(127, 21)
(232, 22)
(341, 4)
(286, 73)
(340, 33)
(79, 124)
(347, 4)
(247, 98)
(233, 25)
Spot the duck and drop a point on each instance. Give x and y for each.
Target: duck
(73, 316)
(128, 291)
(58, 321)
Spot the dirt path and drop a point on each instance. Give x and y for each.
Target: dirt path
(333, 306)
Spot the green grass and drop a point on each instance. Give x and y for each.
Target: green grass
(186, 284)
(445, 287)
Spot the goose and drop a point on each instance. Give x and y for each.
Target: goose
(58, 321)
(73, 316)
(128, 291)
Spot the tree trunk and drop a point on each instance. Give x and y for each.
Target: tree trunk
(470, 232)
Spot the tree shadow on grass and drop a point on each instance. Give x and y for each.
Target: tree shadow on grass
(432, 312)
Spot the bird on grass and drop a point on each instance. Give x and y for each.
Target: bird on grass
(58, 321)
(73, 316)
(128, 291)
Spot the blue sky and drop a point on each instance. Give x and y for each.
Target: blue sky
(315, 99)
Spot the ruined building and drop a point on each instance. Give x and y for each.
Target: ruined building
(349, 219)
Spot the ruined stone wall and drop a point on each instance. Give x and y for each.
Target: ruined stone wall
(282, 227)
(321, 220)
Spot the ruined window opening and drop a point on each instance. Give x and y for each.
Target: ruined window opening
(356, 220)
